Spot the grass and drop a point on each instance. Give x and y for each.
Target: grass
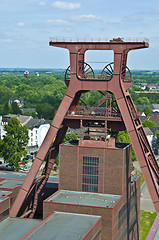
(146, 222)
(139, 173)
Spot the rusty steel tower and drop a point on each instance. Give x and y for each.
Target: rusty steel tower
(115, 79)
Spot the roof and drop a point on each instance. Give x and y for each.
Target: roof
(152, 106)
(22, 176)
(10, 183)
(64, 226)
(12, 175)
(154, 129)
(84, 198)
(30, 110)
(36, 123)
(16, 228)
(4, 193)
(148, 131)
(154, 116)
(2, 199)
(22, 118)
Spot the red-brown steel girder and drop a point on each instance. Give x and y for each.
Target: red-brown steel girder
(115, 85)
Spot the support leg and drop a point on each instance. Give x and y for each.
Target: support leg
(42, 153)
(143, 150)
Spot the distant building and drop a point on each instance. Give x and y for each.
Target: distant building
(37, 74)
(154, 117)
(19, 101)
(28, 110)
(154, 107)
(23, 120)
(152, 87)
(26, 74)
(37, 129)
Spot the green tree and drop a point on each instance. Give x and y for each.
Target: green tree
(45, 111)
(142, 100)
(147, 110)
(148, 123)
(15, 108)
(14, 142)
(6, 109)
(70, 136)
(123, 137)
(157, 135)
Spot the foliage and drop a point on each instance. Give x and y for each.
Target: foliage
(146, 221)
(141, 174)
(138, 109)
(148, 123)
(14, 142)
(15, 108)
(142, 100)
(6, 109)
(147, 110)
(152, 97)
(157, 135)
(135, 88)
(123, 137)
(70, 136)
(45, 111)
(34, 91)
(50, 89)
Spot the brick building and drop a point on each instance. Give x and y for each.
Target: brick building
(97, 181)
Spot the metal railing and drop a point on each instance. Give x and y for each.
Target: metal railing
(100, 39)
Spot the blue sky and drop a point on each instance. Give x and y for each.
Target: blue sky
(27, 25)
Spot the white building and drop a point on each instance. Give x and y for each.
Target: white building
(37, 129)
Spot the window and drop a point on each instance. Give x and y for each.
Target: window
(90, 174)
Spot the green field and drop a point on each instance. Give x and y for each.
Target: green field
(146, 222)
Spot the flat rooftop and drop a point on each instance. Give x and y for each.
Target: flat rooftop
(15, 229)
(4, 193)
(84, 198)
(12, 175)
(2, 199)
(22, 176)
(64, 226)
(10, 183)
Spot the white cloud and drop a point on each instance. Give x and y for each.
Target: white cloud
(66, 5)
(58, 22)
(87, 18)
(42, 3)
(20, 24)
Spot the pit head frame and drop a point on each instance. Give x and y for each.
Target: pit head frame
(82, 79)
